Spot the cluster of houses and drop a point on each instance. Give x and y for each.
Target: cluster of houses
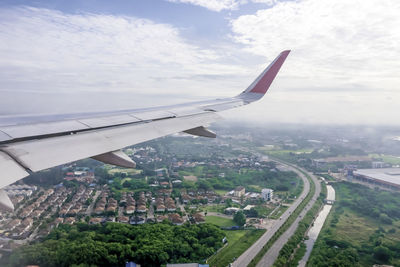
(22, 225)
(77, 205)
(200, 195)
(103, 201)
(84, 176)
(18, 192)
(165, 204)
(129, 202)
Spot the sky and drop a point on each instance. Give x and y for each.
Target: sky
(71, 56)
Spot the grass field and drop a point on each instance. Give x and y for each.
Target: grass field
(221, 192)
(263, 210)
(279, 212)
(128, 171)
(355, 230)
(220, 221)
(238, 242)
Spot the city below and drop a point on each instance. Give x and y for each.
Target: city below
(263, 190)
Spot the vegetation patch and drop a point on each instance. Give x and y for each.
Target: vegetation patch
(114, 244)
(277, 214)
(238, 242)
(356, 233)
(220, 221)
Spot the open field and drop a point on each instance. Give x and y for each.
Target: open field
(263, 210)
(190, 178)
(220, 221)
(238, 242)
(221, 192)
(386, 158)
(279, 212)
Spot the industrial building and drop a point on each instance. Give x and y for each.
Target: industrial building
(388, 177)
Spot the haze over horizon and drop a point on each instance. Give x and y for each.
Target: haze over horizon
(343, 68)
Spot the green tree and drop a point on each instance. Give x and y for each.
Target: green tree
(239, 218)
(382, 253)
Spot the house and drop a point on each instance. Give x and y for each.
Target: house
(160, 208)
(141, 209)
(28, 222)
(239, 191)
(130, 209)
(170, 204)
(99, 210)
(231, 210)
(112, 208)
(123, 219)
(164, 184)
(14, 223)
(186, 199)
(175, 218)
(198, 218)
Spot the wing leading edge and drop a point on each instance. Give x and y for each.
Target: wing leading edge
(30, 144)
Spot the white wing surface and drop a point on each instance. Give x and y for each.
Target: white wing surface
(33, 143)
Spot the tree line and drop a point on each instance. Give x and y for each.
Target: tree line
(114, 244)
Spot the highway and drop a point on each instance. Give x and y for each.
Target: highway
(251, 252)
(273, 253)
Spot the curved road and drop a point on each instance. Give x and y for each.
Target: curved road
(251, 252)
(273, 253)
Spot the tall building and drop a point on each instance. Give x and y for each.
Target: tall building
(239, 191)
(267, 194)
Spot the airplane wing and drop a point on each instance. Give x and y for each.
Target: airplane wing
(33, 143)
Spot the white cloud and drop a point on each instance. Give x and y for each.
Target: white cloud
(50, 51)
(214, 5)
(343, 66)
(219, 5)
(336, 44)
(268, 2)
(344, 57)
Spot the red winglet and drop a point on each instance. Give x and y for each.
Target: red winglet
(263, 82)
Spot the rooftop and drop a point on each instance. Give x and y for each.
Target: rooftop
(389, 175)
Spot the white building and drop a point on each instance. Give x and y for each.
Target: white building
(267, 194)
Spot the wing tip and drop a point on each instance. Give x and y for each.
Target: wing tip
(261, 85)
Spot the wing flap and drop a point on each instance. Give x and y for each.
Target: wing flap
(11, 171)
(107, 121)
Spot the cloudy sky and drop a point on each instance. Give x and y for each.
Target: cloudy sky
(68, 56)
